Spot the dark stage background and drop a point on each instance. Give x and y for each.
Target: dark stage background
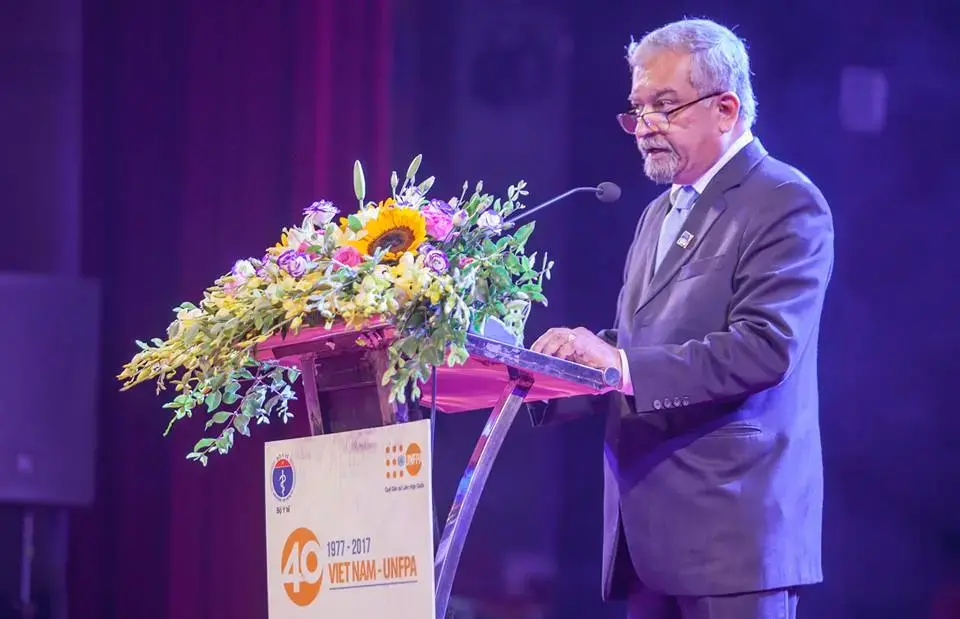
(150, 144)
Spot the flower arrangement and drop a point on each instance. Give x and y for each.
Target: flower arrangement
(435, 268)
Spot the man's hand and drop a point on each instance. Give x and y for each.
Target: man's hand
(578, 345)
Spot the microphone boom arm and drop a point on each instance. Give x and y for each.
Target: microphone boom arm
(527, 212)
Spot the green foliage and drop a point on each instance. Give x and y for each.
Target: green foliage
(209, 355)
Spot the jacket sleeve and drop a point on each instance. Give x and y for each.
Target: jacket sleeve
(785, 264)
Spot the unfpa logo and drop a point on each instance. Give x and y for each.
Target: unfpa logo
(403, 461)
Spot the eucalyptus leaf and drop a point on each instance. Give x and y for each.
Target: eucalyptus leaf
(523, 233)
(213, 401)
(249, 406)
(242, 424)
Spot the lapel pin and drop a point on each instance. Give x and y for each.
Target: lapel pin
(684, 239)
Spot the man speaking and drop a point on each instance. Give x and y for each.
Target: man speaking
(713, 468)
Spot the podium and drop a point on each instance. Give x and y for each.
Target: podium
(342, 367)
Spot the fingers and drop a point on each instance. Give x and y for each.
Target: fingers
(551, 341)
(554, 341)
(568, 349)
(542, 340)
(584, 332)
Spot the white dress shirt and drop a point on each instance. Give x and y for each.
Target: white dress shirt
(699, 185)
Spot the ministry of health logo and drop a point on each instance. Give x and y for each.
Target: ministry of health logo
(282, 477)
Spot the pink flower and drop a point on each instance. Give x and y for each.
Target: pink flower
(464, 261)
(439, 218)
(303, 249)
(348, 256)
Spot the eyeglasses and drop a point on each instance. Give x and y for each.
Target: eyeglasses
(656, 120)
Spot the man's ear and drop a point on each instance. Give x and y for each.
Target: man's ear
(728, 104)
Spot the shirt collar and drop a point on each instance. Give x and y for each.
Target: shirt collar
(701, 183)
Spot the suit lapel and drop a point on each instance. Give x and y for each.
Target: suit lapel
(648, 241)
(706, 211)
(642, 255)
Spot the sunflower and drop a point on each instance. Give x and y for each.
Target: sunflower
(394, 229)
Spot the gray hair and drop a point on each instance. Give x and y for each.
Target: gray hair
(719, 61)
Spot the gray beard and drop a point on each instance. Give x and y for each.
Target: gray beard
(662, 169)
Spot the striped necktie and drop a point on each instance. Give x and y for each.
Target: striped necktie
(672, 223)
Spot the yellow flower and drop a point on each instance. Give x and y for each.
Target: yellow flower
(408, 278)
(228, 304)
(294, 307)
(434, 292)
(397, 230)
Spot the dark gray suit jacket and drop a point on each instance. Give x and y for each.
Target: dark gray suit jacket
(713, 469)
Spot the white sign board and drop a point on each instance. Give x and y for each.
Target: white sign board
(350, 525)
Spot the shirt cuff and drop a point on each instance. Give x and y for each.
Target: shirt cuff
(626, 385)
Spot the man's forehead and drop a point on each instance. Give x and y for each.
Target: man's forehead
(660, 72)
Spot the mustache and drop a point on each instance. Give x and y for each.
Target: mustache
(654, 144)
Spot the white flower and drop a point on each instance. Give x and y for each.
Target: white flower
(490, 221)
(320, 213)
(242, 271)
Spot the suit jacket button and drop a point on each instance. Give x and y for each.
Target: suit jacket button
(667, 403)
(686, 401)
(676, 402)
(657, 404)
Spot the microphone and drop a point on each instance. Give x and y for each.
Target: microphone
(605, 192)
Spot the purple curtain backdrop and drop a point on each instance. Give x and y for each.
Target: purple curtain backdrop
(207, 127)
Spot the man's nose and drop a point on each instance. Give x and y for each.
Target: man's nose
(643, 129)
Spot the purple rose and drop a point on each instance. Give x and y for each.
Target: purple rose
(439, 219)
(293, 262)
(490, 221)
(436, 261)
(320, 213)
